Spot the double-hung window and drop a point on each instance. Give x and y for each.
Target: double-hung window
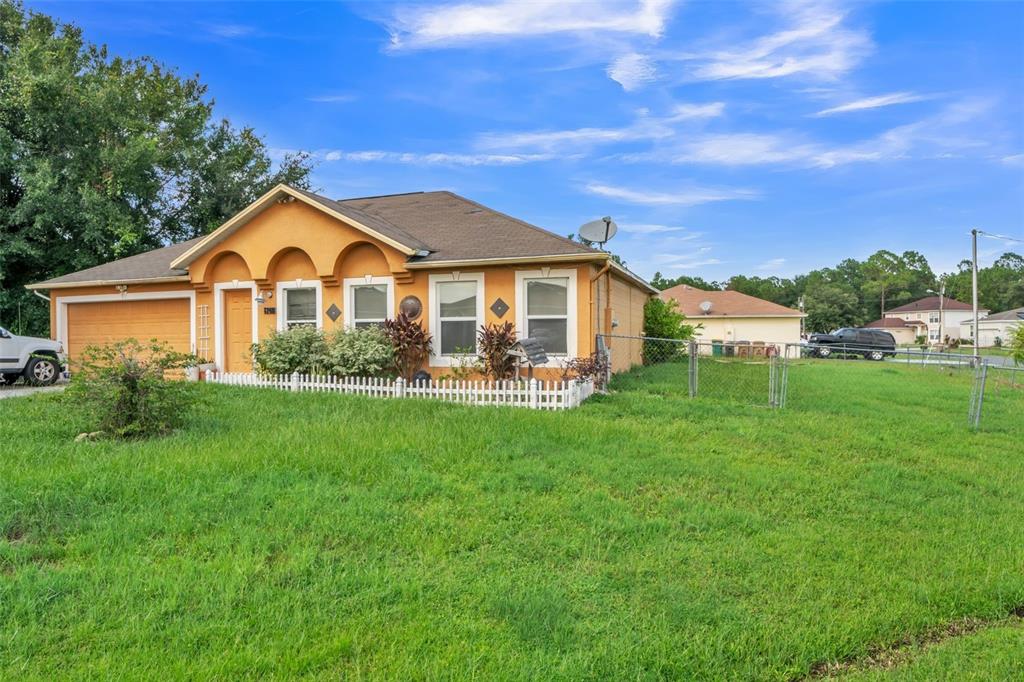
(547, 312)
(457, 317)
(933, 318)
(456, 312)
(298, 303)
(368, 301)
(300, 307)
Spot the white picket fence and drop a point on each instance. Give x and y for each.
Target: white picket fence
(534, 394)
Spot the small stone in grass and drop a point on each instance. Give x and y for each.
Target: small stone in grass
(94, 435)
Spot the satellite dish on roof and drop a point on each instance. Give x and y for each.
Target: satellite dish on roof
(599, 231)
(706, 307)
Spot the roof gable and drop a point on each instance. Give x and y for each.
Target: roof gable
(930, 304)
(372, 225)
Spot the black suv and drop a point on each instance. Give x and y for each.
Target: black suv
(873, 344)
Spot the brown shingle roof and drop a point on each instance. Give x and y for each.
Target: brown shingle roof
(725, 303)
(1013, 315)
(892, 323)
(441, 225)
(456, 228)
(929, 304)
(155, 264)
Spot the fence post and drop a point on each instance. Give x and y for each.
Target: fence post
(399, 387)
(534, 395)
(693, 368)
(295, 382)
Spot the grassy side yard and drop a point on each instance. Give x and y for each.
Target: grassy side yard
(641, 536)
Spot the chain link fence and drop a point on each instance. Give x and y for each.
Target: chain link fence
(988, 392)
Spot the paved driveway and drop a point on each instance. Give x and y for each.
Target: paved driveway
(21, 390)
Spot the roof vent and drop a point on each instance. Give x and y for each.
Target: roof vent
(706, 307)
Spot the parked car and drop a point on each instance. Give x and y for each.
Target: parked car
(40, 361)
(873, 344)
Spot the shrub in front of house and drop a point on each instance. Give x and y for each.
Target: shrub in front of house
(410, 344)
(301, 349)
(593, 366)
(128, 389)
(494, 342)
(1016, 344)
(364, 351)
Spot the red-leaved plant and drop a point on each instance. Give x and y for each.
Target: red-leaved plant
(494, 342)
(411, 344)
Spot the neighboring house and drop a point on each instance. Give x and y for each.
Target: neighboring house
(296, 258)
(731, 316)
(994, 326)
(905, 332)
(925, 314)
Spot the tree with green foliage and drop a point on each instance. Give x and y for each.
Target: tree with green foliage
(664, 325)
(661, 283)
(1016, 344)
(886, 276)
(1000, 285)
(103, 157)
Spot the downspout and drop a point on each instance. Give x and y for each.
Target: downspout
(596, 298)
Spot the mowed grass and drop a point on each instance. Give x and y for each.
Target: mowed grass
(642, 536)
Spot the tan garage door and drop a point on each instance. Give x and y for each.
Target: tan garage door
(166, 319)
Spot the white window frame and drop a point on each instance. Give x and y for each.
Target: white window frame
(933, 318)
(61, 333)
(572, 306)
(218, 311)
(282, 308)
(349, 284)
(436, 358)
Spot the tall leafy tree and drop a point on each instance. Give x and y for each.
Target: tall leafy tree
(103, 157)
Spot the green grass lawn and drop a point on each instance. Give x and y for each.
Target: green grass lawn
(642, 536)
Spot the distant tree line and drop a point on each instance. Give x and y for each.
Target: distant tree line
(856, 292)
(103, 157)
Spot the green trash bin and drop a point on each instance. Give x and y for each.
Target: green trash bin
(716, 348)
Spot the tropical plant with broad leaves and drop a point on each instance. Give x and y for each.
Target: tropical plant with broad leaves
(410, 344)
(494, 342)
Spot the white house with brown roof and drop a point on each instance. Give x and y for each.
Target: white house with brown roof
(936, 320)
(733, 317)
(994, 326)
(905, 332)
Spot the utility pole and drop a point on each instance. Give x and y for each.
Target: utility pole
(974, 285)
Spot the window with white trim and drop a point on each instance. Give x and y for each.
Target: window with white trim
(933, 318)
(369, 304)
(547, 313)
(299, 306)
(457, 316)
(933, 335)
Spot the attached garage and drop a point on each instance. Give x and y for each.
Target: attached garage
(96, 322)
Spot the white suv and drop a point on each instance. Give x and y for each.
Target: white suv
(38, 360)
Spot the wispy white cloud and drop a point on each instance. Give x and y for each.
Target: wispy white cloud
(817, 44)
(230, 30)
(644, 127)
(1013, 160)
(743, 149)
(432, 159)
(440, 26)
(684, 196)
(772, 264)
(632, 71)
(650, 228)
(339, 98)
(873, 103)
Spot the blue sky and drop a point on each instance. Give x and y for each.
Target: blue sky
(758, 138)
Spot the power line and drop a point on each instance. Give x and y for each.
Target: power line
(1001, 236)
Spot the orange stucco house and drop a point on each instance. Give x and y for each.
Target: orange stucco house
(293, 257)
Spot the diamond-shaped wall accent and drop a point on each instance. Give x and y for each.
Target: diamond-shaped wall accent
(499, 308)
(334, 312)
